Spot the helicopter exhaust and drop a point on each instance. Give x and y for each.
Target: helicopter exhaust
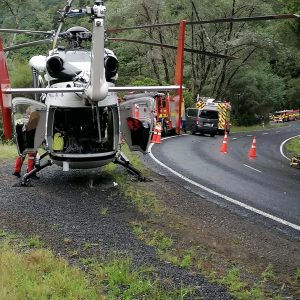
(111, 65)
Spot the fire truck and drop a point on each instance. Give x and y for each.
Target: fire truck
(167, 113)
(286, 115)
(166, 109)
(223, 108)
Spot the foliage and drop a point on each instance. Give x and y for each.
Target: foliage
(266, 72)
(20, 74)
(292, 147)
(257, 92)
(38, 274)
(7, 150)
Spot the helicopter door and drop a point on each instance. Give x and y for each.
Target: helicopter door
(137, 117)
(29, 123)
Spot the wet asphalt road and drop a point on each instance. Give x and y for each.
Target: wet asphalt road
(266, 183)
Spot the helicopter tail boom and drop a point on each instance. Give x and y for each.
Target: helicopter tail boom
(5, 101)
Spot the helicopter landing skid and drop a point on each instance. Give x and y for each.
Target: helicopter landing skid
(33, 172)
(122, 160)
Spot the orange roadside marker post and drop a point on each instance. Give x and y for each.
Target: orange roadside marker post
(223, 148)
(252, 151)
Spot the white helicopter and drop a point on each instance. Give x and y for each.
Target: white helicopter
(76, 96)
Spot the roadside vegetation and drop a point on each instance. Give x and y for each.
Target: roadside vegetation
(293, 147)
(29, 271)
(257, 127)
(162, 229)
(264, 77)
(8, 150)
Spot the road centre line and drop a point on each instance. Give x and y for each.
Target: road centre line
(252, 168)
(265, 133)
(229, 199)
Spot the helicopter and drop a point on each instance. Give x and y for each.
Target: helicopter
(75, 95)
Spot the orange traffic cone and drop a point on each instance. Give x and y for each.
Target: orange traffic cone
(223, 148)
(252, 151)
(136, 111)
(158, 141)
(154, 136)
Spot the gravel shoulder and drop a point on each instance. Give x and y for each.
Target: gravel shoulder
(72, 210)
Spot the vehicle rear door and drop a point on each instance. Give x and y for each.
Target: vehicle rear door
(29, 117)
(137, 128)
(191, 117)
(209, 118)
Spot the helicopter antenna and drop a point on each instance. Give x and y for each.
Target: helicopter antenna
(63, 13)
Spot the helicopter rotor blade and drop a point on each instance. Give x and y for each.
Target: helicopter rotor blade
(63, 13)
(223, 20)
(173, 47)
(29, 44)
(30, 32)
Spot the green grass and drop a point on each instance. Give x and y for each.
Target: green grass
(37, 274)
(8, 151)
(293, 147)
(123, 282)
(35, 242)
(256, 127)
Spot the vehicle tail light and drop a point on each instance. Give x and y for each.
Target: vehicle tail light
(197, 120)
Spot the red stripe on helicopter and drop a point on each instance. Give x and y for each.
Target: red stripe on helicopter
(5, 101)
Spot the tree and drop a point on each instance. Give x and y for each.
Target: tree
(211, 75)
(256, 93)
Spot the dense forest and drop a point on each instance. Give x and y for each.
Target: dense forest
(263, 78)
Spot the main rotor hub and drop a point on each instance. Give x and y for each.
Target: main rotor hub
(75, 35)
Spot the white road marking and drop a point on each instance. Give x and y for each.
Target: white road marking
(277, 131)
(249, 134)
(229, 199)
(282, 144)
(252, 168)
(234, 138)
(265, 133)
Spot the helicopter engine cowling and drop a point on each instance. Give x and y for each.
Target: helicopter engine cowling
(111, 65)
(59, 69)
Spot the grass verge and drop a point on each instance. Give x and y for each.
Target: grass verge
(27, 272)
(162, 230)
(256, 127)
(293, 147)
(8, 151)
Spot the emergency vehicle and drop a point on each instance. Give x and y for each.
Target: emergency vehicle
(286, 115)
(166, 111)
(223, 108)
